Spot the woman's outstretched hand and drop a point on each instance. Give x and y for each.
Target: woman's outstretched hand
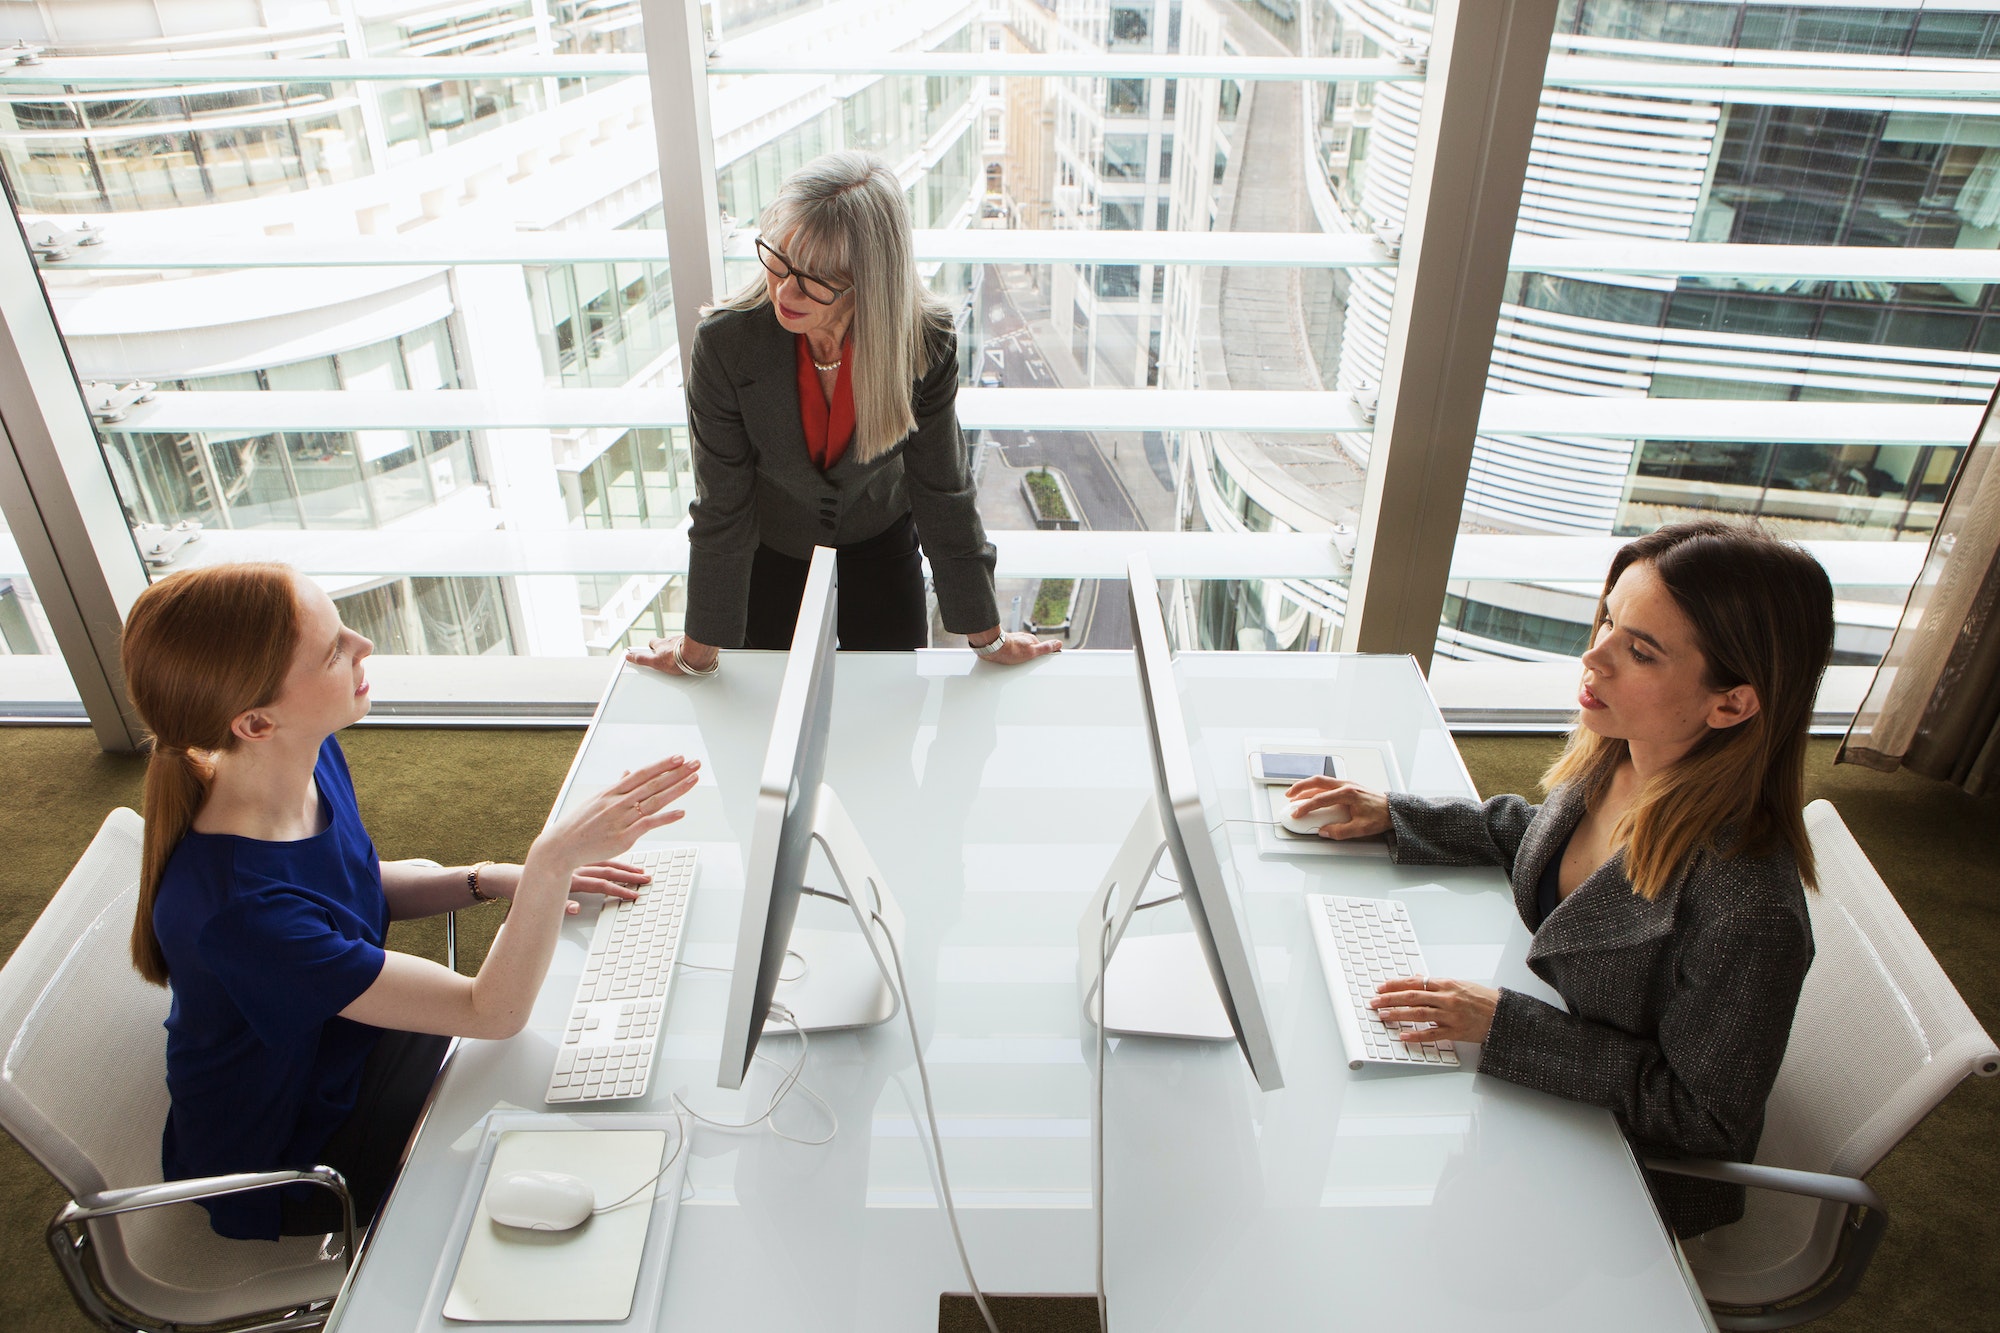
(608, 823)
(1367, 811)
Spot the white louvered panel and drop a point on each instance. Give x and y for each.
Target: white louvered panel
(1552, 368)
(1814, 381)
(1546, 460)
(1616, 203)
(1630, 116)
(1535, 511)
(1582, 99)
(1747, 358)
(1537, 221)
(1629, 366)
(1563, 485)
(1617, 165)
(1572, 174)
(1634, 160)
(1689, 149)
(1555, 371)
(1596, 209)
(1386, 193)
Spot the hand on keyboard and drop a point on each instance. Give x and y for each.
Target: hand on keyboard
(612, 879)
(619, 880)
(1461, 1010)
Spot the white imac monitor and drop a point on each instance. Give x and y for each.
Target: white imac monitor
(1156, 984)
(844, 981)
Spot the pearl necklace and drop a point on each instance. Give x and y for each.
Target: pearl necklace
(829, 369)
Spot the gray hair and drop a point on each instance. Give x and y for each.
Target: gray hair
(842, 216)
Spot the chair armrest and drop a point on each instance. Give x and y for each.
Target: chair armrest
(1814, 1184)
(450, 920)
(1861, 1233)
(110, 1203)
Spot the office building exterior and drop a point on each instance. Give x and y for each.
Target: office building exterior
(1819, 169)
(343, 162)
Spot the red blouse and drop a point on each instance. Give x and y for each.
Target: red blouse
(829, 426)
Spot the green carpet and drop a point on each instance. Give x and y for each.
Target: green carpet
(462, 796)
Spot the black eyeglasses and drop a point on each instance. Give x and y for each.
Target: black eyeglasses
(779, 267)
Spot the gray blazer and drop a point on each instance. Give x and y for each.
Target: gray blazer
(755, 482)
(1679, 1008)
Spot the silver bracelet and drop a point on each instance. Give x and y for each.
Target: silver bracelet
(988, 649)
(702, 673)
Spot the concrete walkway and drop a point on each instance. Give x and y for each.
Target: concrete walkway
(1261, 311)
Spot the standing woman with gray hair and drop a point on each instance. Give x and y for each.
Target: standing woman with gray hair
(822, 401)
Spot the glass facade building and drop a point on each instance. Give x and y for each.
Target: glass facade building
(425, 160)
(420, 332)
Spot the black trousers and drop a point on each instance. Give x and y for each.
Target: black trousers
(368, 1145)
(881, 594)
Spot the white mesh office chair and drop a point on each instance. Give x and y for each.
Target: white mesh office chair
(83, 1087)
(1880, 1038)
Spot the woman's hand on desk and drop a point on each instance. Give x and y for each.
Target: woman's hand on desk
(612, 879)
(1014, 648)
(677, 653)
(1460, 1010)
(1367, 811)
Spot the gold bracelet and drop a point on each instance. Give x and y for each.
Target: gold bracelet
(472, 884)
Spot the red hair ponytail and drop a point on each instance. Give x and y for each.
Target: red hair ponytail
(200, 647)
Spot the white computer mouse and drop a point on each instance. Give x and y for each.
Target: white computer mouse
(539, 1201)
(1312, 821)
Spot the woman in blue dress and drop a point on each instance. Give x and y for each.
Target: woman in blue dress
(295, 1036)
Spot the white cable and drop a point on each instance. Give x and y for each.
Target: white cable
(785, 1087)
(937, 1140)
(1097, 1127)
(680, 1143)
(792, 954)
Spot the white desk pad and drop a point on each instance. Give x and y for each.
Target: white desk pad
(1373, 766)
(609, 1271)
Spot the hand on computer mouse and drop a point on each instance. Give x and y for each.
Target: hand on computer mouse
(1364, 812)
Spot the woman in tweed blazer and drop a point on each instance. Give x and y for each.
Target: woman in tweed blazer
(1664, 879)
(822, 401)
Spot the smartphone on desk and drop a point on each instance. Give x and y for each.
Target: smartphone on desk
(1274, 766)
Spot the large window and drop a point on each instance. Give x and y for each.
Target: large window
(1754, 168)
(24, 626)
(419, 332)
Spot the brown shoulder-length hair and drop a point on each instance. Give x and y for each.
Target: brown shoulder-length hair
(1762, 612)
(200, 647)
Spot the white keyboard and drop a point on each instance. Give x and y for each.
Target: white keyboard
(607, 1046)
(1362, 943)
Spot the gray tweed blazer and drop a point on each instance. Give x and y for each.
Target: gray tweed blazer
(755, 482)
(1679, 1008)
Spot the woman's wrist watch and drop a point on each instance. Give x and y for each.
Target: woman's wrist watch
(989, 649)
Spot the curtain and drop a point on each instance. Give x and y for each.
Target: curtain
(1934, 706)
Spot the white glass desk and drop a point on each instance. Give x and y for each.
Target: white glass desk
(994, 800)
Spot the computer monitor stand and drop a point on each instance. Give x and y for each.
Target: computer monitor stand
(1154, 985)
(848, 981)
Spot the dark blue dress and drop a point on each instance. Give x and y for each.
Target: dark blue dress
(266, 942)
